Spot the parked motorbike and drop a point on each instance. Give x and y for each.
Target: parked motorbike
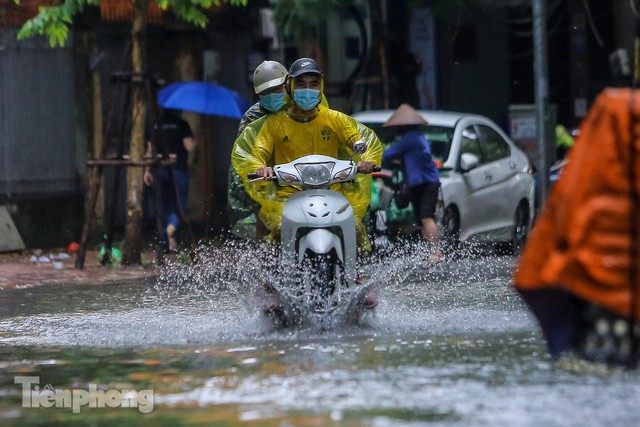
(318, 244)
(391, 218)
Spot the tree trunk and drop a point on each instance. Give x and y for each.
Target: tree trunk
(133, 227)
(98, 138)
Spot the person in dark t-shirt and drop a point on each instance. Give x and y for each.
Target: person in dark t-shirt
(180, 141)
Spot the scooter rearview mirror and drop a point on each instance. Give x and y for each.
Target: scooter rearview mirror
(359, 147)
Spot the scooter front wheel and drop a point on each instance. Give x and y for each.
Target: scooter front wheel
(322, 272)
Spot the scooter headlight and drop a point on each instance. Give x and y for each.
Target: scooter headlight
(315, 173)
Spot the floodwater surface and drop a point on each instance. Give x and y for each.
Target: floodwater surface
(451, 345)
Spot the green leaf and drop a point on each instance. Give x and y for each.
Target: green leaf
(54, 21)
(58, 33)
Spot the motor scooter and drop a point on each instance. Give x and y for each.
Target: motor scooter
(391, 217)
(317, 244)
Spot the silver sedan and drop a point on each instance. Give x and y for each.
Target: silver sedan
(487, 181)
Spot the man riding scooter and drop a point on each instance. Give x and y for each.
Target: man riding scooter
(306, 127)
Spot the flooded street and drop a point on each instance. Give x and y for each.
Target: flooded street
(451, 345)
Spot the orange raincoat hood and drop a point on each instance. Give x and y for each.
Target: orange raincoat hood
(581, 242)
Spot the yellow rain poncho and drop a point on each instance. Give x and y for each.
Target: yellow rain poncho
(285, 136)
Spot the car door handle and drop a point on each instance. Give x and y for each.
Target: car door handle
(488, 177)
(512, 165)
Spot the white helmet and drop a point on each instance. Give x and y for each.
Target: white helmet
(267, 75)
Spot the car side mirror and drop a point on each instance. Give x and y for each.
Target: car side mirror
(469, 161)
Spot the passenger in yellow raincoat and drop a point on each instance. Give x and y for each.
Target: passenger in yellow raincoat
(306, 127)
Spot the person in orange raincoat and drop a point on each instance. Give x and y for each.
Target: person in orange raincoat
(578, 271)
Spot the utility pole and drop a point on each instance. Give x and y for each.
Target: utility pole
(541, 88)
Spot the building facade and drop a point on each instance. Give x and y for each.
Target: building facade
(58, 105)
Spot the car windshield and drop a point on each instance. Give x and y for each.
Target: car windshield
(439, 138)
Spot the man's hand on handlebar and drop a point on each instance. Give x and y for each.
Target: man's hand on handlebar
(365, 166)
(265, 172)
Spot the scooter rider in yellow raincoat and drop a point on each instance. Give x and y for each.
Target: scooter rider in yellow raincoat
(307, 126)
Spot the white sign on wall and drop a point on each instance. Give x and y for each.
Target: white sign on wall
(10, 239)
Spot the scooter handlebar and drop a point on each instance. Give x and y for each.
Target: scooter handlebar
(253, 176)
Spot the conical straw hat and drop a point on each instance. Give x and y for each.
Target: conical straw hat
(405, 116)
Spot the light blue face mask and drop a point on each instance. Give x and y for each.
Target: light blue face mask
(306, 99)
(273, 101)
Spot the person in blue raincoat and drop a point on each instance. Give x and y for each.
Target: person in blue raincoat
(421, 172)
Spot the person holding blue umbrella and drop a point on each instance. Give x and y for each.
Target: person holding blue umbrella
(269, 84)
(203, 98)
(179, 140)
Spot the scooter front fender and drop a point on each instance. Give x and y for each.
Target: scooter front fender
(320, 241)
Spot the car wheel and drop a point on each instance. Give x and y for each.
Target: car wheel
(451, 229)
(520, 229)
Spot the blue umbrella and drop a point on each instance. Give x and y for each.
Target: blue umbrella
(203, 98)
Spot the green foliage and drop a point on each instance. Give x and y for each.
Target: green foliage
(299, 18)
(192, 10)
(54, 21)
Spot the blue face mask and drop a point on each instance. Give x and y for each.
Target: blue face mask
(273, 101)
(306, 99)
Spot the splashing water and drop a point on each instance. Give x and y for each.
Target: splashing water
(206, 301)
(413, 291)
(450, 344)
